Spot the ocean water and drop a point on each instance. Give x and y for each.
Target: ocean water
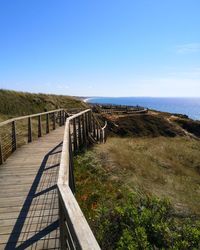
(185, 106)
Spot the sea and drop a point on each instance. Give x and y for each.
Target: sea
(185, 106)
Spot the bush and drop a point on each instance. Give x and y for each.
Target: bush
(123, 220)
(145, 224)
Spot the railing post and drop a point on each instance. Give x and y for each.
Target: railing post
(66, 115)
(101, 135)
(54, 121)
(97, 132)
(63, 117)
(61, 226)
(29, 130)
(74, 135)
(47, 123)
(104, 135)
(79, 132)
(60, 116)
(14, 136)
(90, 121)
(86, 124)
(1, 153)
(71, 166)
(84, 130)
(39, 126)
(94, 127)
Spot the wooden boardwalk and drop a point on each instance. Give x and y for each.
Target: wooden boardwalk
(28, 195)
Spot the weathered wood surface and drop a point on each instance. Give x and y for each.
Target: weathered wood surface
(28, 195)
(75, 232)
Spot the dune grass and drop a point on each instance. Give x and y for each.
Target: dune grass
(165, 167)
(13, 103)
(141, 193)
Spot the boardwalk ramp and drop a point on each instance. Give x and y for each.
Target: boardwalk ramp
(38, 209)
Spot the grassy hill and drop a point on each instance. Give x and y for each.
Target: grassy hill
(141, 189)
(13, 103)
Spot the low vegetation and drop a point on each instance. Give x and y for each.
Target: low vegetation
(190, 126)
(122, 215)
(13, 103)
(141, 190)
(166, 167)
(141, 125)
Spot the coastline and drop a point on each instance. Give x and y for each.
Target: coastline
(87, 99)
(184, 106)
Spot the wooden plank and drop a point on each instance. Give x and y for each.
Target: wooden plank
(40, 245)
(33, 227)
(18, 207)
(37, 213)
(28, 198)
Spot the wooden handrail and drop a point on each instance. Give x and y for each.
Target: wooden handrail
(18, 131)
(28, 116)
(75, 232)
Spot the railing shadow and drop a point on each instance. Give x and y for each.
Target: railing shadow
(48, 191)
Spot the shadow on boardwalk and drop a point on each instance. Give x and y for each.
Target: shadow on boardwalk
(37, 225)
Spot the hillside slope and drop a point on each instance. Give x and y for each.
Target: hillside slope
(13, 103)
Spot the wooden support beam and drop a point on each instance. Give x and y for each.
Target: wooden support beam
(86, 124)
(94, 127)
(90, 121)
(63, 245)
(101, 135)
(54, 120)
(63, 117)
(97, 132)
(39, 126)
(47, 123)
(1, 153)
(71, 166)
(75, 135)
(60, 118)
(84, 130)
(79, 132)
(14, 136)
(29, 130)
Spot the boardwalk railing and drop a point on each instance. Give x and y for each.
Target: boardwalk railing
(21, 130)
(75, 232)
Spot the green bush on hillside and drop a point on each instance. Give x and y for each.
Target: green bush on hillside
(123, 220)
(145, 224)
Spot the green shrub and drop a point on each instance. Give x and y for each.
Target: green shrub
(123, 220)
(145, 224)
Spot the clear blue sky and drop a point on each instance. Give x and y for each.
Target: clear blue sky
(101, 47)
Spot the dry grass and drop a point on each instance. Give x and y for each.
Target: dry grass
(166, 167)
(13, 103)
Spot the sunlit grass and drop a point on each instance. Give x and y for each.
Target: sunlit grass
(166, 167)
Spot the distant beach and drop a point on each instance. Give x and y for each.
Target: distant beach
(185, 106)
(86, 99)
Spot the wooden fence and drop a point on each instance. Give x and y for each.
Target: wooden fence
(21, 130)
(75, 232)
(80, 130)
